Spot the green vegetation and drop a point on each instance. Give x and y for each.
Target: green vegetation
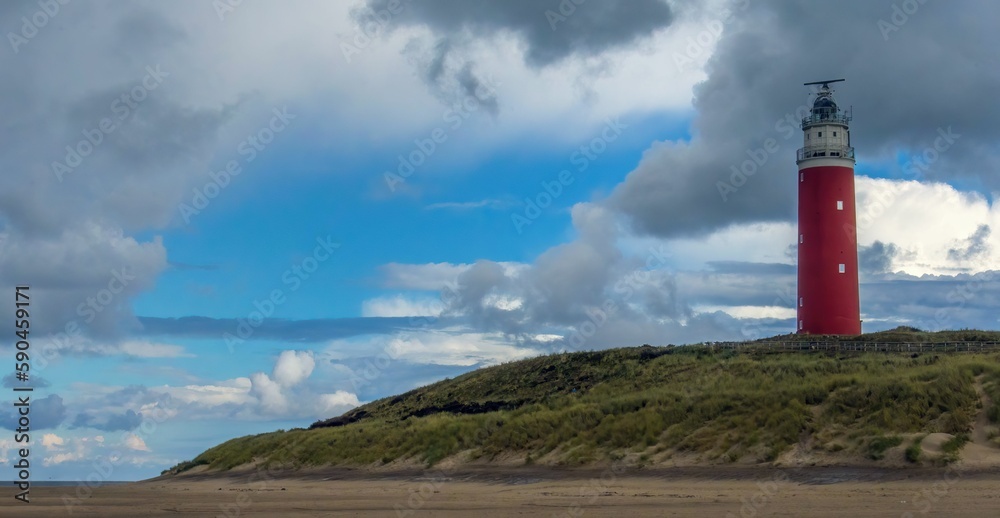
(645, 404)
(954, 445)
(878, 445)
(914, 451)
(902, 334)
(991, 385)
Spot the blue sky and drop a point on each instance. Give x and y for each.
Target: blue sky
(620, 124)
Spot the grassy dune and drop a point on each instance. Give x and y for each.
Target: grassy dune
(650, 405)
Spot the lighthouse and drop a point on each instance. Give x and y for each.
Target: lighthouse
(828, 302)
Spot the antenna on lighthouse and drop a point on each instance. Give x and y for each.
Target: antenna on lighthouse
(824, 83)
(825, 92)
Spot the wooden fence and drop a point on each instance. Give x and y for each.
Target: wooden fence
(903, 347)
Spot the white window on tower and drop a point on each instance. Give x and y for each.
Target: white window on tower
(802, 177)
(840, 205)
(800, 302)
(842, 268)
(800, 239)
(800, 325)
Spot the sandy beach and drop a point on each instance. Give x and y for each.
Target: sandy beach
(834, 492)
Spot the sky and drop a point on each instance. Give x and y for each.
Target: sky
(237, 217)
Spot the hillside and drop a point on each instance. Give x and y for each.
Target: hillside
(662, 406)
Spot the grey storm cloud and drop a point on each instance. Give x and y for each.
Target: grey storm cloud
(303, 331)
(127, 420)
(934, 302)
(557, 289)
(551, 30)
(750, 268)
(46, 412)
(586, 286)
(745, 284)
(974, 246)
(74, 190)
(926, 89)
(877, 257)
(11, 381)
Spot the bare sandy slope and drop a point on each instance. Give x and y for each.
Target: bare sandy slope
(852, 492)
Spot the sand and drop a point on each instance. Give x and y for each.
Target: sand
(722, 492)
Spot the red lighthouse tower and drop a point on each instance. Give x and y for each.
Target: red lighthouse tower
(828, 244)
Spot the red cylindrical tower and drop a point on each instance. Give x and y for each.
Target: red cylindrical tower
(828, 302)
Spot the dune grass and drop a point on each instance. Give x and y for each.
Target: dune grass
(578, 408)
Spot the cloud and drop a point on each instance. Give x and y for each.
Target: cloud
(467, 205)
(60, 458)
(7, 446)
(152, 350)
(336, 402)
(897, 212)
(877, 257)
(558, 288)
(293, 367)
(84, 276)
(134, 442)
(548, 36)
(83, 346)
(313, 330)
(401, 306)
(285, 394)
(229, 392)
(109, 421)
(975, 246)
(674, 189)
(69, 450)
(46, 413)
(464, 349)
(52, 441)
(11, 381)
(432, 276)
